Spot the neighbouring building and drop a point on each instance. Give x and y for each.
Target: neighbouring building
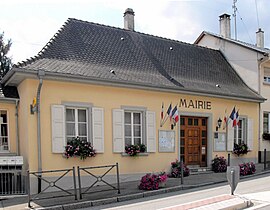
(107, 85)
(251, 62)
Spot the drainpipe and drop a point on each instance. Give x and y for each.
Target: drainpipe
(17, 128)
(41, 74)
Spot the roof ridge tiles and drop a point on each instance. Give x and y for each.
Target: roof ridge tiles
(138, 32)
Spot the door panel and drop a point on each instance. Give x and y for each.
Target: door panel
(193, 140)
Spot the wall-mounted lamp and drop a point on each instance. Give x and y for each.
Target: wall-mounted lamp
(33, 106)
(218, 124)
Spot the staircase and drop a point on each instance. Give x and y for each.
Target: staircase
(196, 169)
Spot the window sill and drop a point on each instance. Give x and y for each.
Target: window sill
(266, 83)
(138, 155)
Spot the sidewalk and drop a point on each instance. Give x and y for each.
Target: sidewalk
(129, 191)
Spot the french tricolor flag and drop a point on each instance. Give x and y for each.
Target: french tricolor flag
(175, 115)
(234, 117)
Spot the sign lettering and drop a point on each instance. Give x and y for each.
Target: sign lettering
(195, 104)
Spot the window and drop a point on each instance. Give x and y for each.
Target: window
(266, 79)
(3, 131)
(133, 127)
(266, 122)
(76, 123)
(240, 131)
(77, 119)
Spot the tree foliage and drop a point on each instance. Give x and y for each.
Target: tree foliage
(5, 61)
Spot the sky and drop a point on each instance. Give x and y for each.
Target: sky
(30, 24)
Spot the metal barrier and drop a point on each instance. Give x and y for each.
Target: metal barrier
(99, 178)
(12, 182)
(51, 184)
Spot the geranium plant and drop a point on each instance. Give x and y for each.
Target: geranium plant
(133, 150)
(176, 169)
(79, 148)
(163, 177)
(240, 149)
(219, 164)
(152, 181)
(247, 168)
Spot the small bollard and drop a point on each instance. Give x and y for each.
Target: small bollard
(264, 159)
(229, 159)
(232, 178)
(233, 173)
(182, 172)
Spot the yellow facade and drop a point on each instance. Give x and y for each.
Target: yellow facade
(109, 98)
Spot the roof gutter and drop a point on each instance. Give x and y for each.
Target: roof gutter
(96, 81)
(11, 100)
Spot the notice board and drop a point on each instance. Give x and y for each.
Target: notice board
(166, 141)
(219, 141)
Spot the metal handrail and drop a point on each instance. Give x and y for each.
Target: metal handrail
(99, 178)
(51, 184)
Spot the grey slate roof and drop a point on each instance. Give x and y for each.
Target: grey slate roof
(91, 51)
(8, 92)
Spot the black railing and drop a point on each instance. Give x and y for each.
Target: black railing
(98, 178)
(57, 175)
(12, 182)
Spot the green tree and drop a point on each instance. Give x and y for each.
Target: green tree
(5, 61)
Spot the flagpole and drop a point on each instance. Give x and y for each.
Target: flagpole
(170, 106)
(162, 114)
(164, 120)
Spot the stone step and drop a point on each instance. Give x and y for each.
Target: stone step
(200, 170)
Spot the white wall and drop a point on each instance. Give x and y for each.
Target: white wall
(243, 60)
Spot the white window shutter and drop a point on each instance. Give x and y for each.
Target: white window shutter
(151, 131)
(58, 128)
(118, 130)
(250, 134)
(230, 136)
(98, 129)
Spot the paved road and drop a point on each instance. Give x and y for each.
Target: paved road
(246, 188)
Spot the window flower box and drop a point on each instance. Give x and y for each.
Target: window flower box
(240, 149)
(79, 148)
(134, 150)
(266, 136)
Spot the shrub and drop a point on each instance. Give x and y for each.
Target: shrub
(219, 164)
(79, 148)
(247, 168)
(152, 181)
(133, 150)
(176, 169)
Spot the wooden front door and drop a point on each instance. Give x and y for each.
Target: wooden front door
(193, 145)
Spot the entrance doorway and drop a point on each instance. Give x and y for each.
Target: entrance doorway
(193, 137)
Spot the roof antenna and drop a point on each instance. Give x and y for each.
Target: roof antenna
(257, 14)
(234, 15)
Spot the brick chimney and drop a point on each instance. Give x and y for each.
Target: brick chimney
(225, 25)
(260, 38)
(129, 19)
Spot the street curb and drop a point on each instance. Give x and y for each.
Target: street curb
(85, 204)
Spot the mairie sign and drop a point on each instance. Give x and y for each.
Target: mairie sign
(194, 104)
